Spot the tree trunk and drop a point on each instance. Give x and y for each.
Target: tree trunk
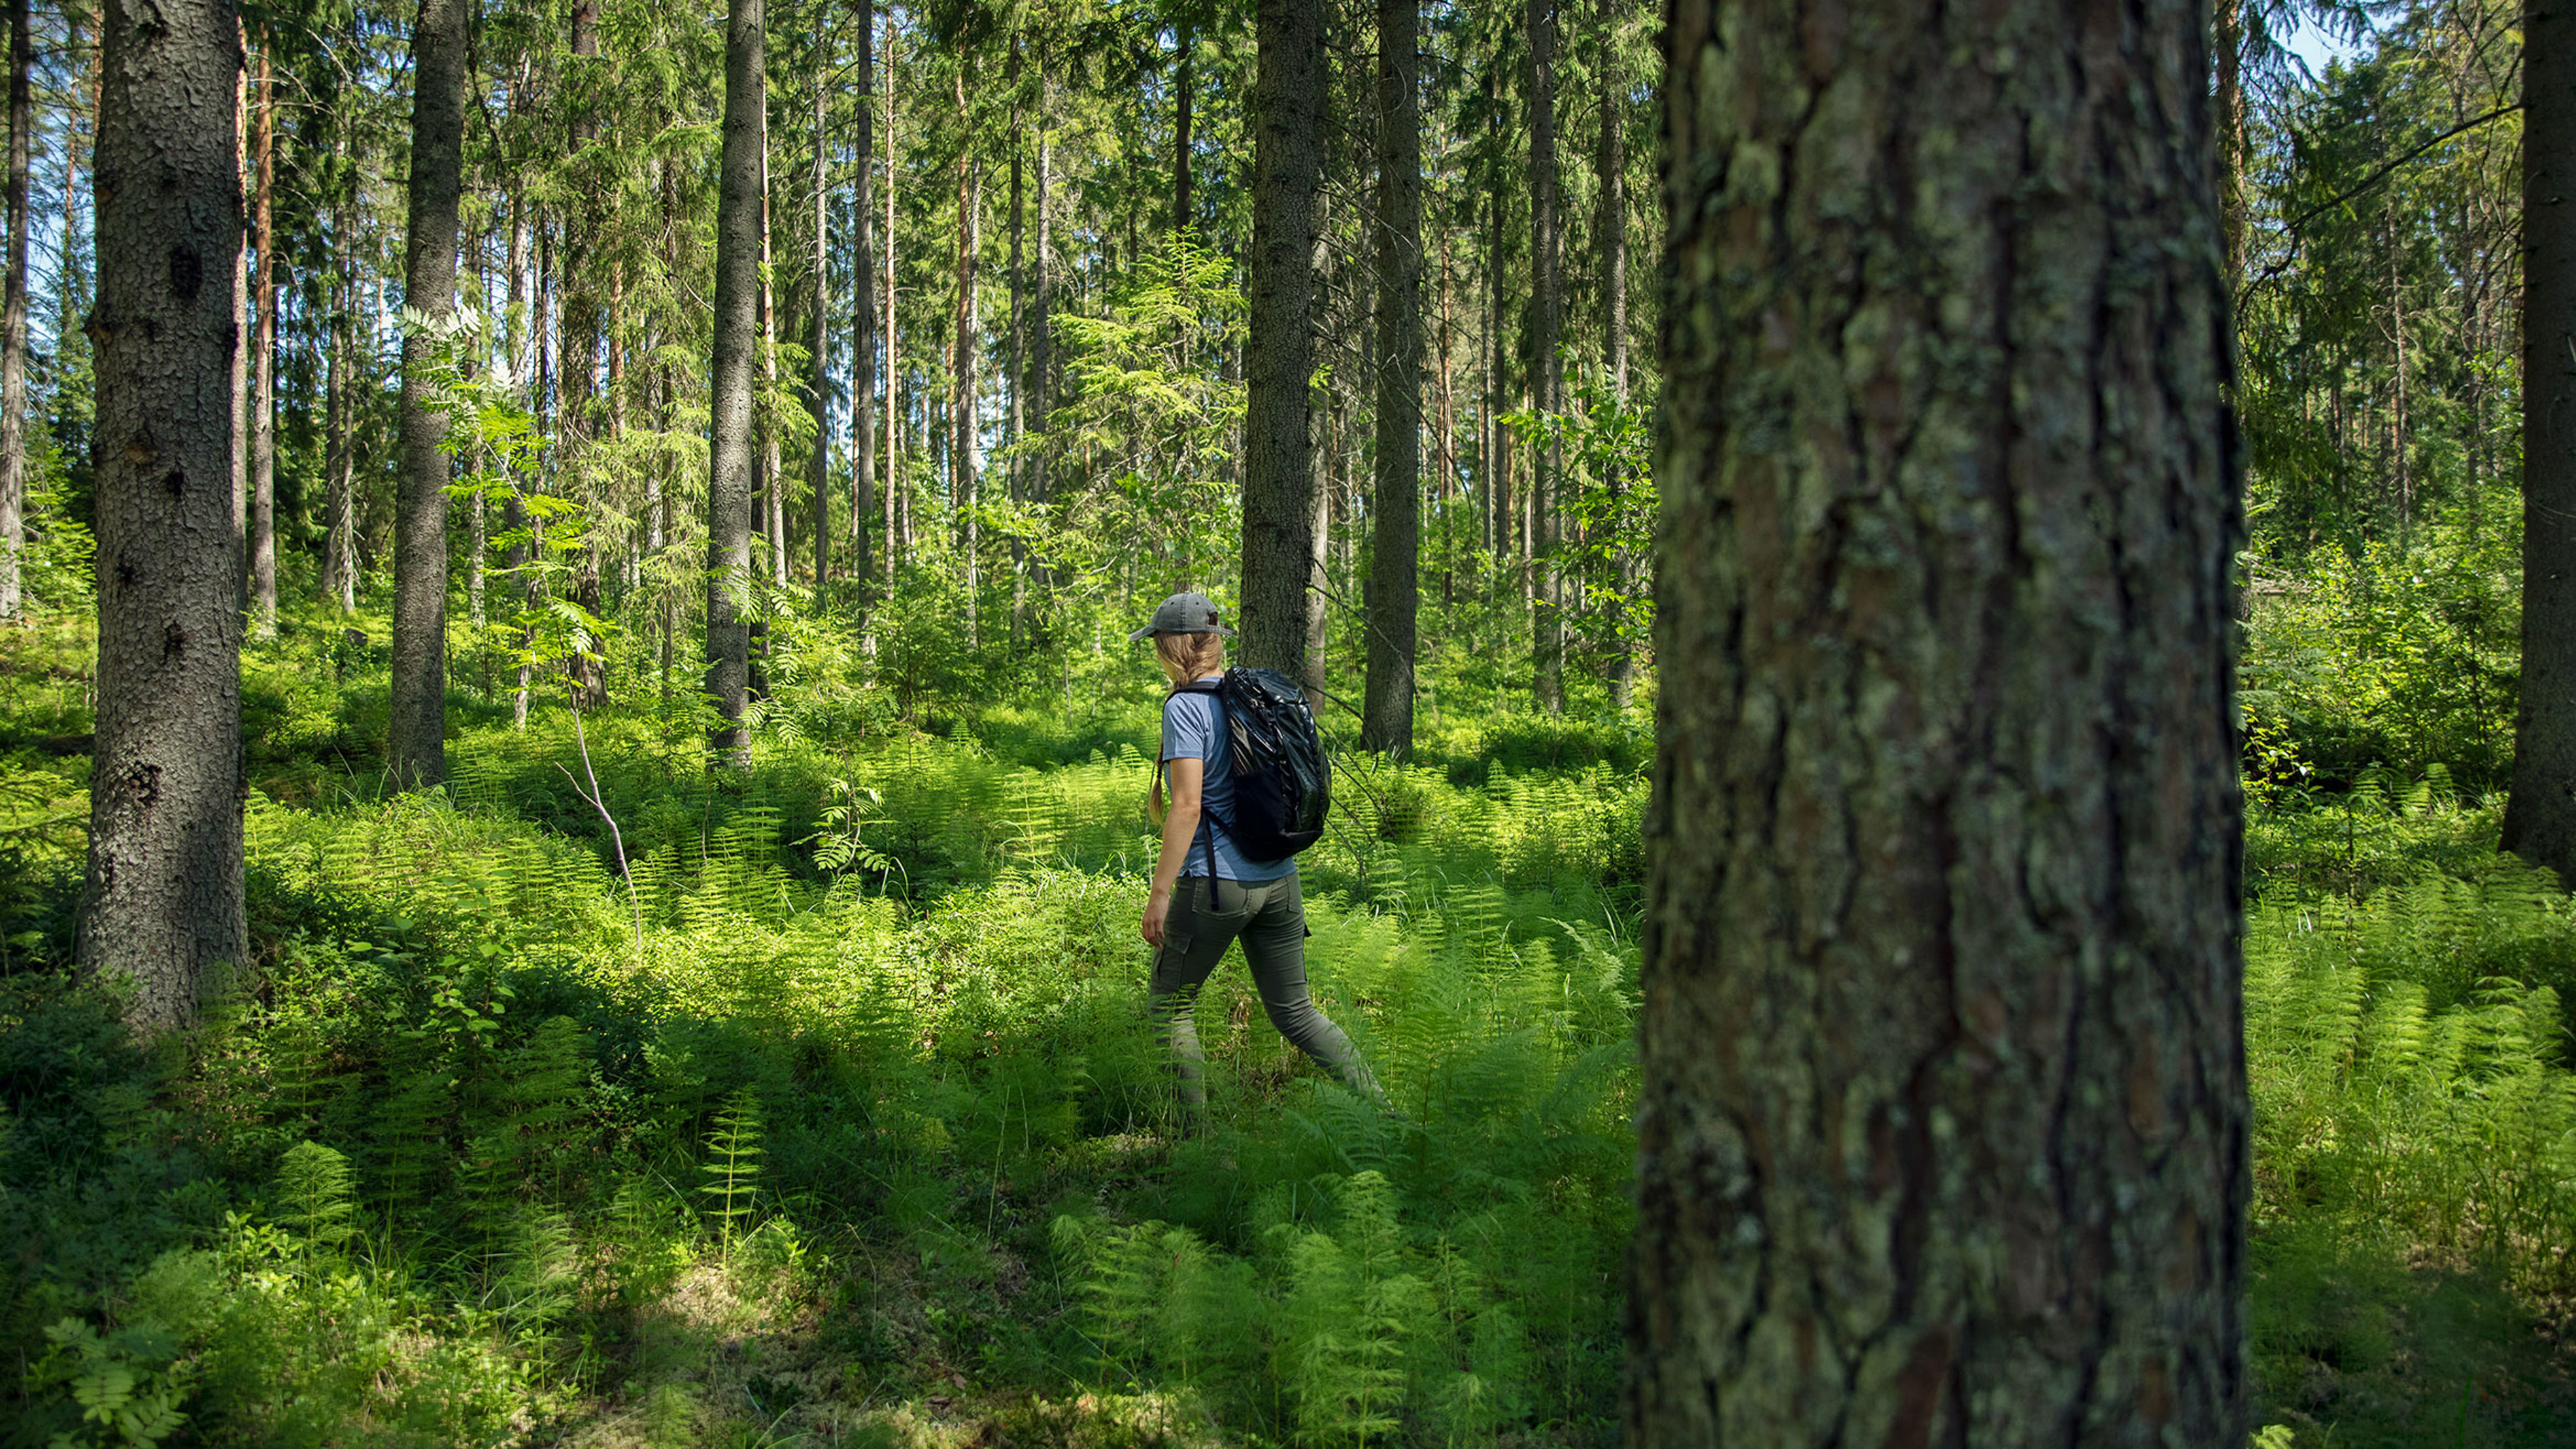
(894, 486)
(1185, 44)
(772, 513)
(2229, 41)
(1041, 362)
(818, 341)
(1611, 241)
(736, 324)
(1547, 617)
(521, 332)
(263, 365)
(863, 342)
(416, 746)
(1610, 227)
(241, 322)
(1387, 706)
(961, 452)
(1942, 1118)
(1015, 422)
(13, 320)
(1496, 484)
(1278, 474)
(578, 349)
(2540, 813)
(163, 905)
(339, 469)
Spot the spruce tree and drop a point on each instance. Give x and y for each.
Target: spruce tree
(416, 744)
(736, 323)
(1942, 1125)
(1387, 704)
(2540, 815)
(1279, 353)
(163, 907)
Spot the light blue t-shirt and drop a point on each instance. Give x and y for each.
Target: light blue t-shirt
(1194, 729)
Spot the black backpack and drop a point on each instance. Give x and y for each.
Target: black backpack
(1282, 782)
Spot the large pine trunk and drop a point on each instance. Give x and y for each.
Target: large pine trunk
(1279, 352)
(415, 745)
(13, 320)
(2540, 814)
(1386, 714)
(1547, 327)
(163, 906)
(1942, 1124)
(736, 322)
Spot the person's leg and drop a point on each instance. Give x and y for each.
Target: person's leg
(1274, 939)
(1194, 940)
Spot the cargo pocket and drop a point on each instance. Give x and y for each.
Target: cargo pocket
(1180, 928)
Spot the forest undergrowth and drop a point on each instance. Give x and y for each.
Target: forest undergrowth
(818, 1105)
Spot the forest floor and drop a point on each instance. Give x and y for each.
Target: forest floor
(831, 1115)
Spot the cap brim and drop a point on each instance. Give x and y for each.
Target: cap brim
(1149, 631)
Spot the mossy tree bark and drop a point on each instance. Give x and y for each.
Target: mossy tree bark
(1386, 714)
(1279, 348)
(2540, 815)
(163, 905)
(736, 323)
(416, 743)
(1943, 1120)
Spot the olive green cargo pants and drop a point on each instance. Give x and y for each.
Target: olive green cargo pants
(1270, 917)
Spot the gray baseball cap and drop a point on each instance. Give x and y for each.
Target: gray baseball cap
(1183, 614)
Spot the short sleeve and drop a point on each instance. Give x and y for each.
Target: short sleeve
(1185, 727)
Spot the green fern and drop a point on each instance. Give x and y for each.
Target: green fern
(732, 1170)
(314, 1203)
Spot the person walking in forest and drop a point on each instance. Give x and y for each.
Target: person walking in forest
(1208, 888)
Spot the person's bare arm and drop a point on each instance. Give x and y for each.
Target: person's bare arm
(1180, 823)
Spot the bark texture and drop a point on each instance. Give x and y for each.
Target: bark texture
(416, 743)
(163, 905)
(1279, 349)
(737, 321)
(1942, 1129)
(1386, 713)
(2540, 814)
